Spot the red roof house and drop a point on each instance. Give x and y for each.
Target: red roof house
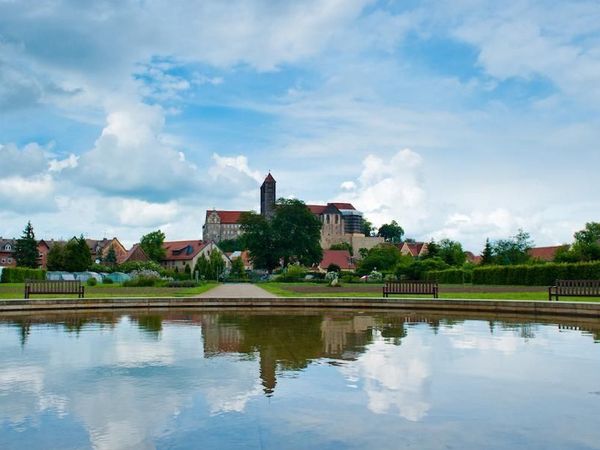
(341, 258)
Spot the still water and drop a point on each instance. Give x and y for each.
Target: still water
(297, 379)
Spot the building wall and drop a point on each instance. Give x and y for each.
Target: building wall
(216, 231)
(267, 198)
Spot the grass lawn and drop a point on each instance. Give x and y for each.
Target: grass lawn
(15, 291)
(450, 291)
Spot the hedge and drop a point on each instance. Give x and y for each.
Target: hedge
(20, 274)
(449, 276)
(536, 274)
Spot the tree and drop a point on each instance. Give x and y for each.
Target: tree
(367, 228)
(77, 255)
(333, 268)
(343, 246)
(433, 250)
(380, 257)
(587, 243)
(238, 270)
(233, 245)
(111, 256)
(297, 233)
(487, 256)
(26, 251)
(217, 265)
(152, 244)
(452, 253)
(513, 250)
(55, 260)
(258, 233)
(391, 232)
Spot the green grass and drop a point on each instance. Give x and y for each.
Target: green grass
(541, 293)
(15, 291)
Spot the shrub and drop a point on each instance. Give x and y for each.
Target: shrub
(293, 273)
(20, 274)
(449, 276)
(182, 284)
(333, 268)
(143, 281)
(375, 276)
(537, 274)
(107, 280)
(130, 266)
(91, 281)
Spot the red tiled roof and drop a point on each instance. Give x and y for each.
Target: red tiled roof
(415, 248)
(544, 253)
(182, 250)
(269, 177)
(343, 205)
(227, 216)
(341, 258)
(135, 253)
(316, 209)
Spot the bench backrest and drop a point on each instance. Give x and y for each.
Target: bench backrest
(411, 287)
(53, 286)
(579, 287)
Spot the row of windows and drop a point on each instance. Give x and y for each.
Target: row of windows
(327, 218)
(7, 260)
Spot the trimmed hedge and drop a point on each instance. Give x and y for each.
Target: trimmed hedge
(449, 276)
(20, 274)
(536, 274)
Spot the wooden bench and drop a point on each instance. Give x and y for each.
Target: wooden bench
(574, 288)
(410, 287)
(53, 287)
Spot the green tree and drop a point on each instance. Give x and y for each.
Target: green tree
(391, 232)
(233, 245)
(433, 250)
(487, 256)
(513, 250)
(55, 260)
(152, 244)
(452, 253)
(237, 269)
(260, 239)
(217, 265)
(26, 251)
(77, 255)
(367, 228)
(111, 256)
(297, 233)
(587, 243)
(380, 257)
(343, 246)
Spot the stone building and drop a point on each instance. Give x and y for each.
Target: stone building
(268, 195)
(221, 225)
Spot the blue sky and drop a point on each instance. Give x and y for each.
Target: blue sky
(465, 119)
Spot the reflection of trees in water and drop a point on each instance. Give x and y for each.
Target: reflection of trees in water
(150, 323)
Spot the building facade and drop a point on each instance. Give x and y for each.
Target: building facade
(179, 254)
(268, 196)
(221, 225)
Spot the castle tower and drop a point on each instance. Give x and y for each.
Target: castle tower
(267, 197)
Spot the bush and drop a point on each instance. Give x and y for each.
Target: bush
(537, 274)
(99, 268)
(130, 266)
(375, 276)
(91, 281)
(20, 274)
(182, 284)
(106, 280)
(449, 276)
(293, 274)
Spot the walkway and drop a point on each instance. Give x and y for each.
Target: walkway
(237, 290)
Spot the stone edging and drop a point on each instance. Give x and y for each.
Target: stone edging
(580, 309)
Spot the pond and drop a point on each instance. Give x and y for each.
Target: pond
(297, 379)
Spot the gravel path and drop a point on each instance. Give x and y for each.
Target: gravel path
(237, 290)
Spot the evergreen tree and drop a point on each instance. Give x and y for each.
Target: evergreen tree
(237, 269)
(26, 251)
(487, 256)
(56, 257)
(78, 257)
(111, 256)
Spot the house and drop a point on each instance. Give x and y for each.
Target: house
(221, 225)
(135, 253)
(100, 248)
(341, 258)
(414, 249)
(472, 258)
(245, 255)
(180, 254)
(7, 252)
(545, 253)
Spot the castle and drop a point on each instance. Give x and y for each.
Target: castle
(340, 222)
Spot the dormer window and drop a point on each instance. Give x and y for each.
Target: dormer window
(8, 247)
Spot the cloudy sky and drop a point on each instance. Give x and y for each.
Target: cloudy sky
(465, 119)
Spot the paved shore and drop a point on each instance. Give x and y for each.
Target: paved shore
(237, 290)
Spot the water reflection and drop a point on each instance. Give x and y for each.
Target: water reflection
(162, 379)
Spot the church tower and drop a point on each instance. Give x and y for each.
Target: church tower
(267, 197)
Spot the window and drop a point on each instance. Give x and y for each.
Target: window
(8, 247)
(3, 260)
(9, 260)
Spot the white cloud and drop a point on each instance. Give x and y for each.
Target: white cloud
(27, 194)
(56, 165)
(139, 213)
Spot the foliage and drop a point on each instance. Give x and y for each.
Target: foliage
(342, 246)
(586, 246)
(536, 274)
(330, 276)
(26, 251)
(152, 244)
(91, 281)
(333, 268)
(111, 256)
(211, 268)
(99, 268)
(415, 269)
(367, 228)
(375, 276)
(292, 235)
(238, 270)
(449, 276)
(391, 232)
(182, 284)
(382, 257)
(145, 273)
(487, 256)
(142, 282)
(20, 274)
(130, 266)
(293, 273)
(513, 250)
(233, 245)
(55, 260)
(451, 252)
(77, 255)
(106, 280)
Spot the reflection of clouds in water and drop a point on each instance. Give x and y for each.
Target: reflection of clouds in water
(394, 377)
(22, 394)
(126, 390)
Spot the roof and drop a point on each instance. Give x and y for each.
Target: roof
(544, 253)
(341, 258)
(135, 253)
(227, 216)
(415, 248)
(270, 178)
(472, 257)
(182, 250)
(316, 209)
(343, 205)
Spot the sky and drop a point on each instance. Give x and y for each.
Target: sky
(464, 120)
